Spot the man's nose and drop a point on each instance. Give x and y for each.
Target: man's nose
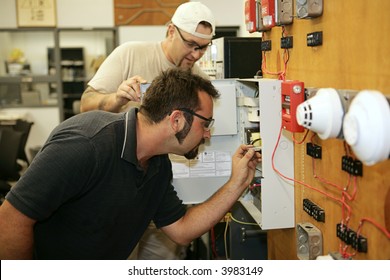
(197, 54)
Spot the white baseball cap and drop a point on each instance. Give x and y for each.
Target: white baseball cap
(188, 15)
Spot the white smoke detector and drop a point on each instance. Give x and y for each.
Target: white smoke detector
(323, 113)
(367, 127)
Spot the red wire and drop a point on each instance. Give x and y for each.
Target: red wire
(345, 220)
(280, 74)
(387, 233)
(301, 141)
(300, 182)
(213, 243)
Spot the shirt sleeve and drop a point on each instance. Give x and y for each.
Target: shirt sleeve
(171, 208)
(174, 208)
(112, 71)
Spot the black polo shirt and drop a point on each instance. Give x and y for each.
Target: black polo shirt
(88, 193)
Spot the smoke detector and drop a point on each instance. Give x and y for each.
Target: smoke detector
(366, 127)
(323, 113)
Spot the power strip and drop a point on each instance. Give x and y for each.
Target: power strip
(352, 166)
(350, 237)
(313, 210)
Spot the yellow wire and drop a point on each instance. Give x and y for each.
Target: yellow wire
(225, 239)
(243, 223)
(229, 215)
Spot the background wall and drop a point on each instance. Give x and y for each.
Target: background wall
(8, 14)
(220, 8)
(354, 55)
(85, 13)
(100, 13)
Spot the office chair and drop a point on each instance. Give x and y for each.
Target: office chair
(4, 189)
(24, 127)
(9, 148)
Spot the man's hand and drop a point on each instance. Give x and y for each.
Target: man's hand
(129, 90)
(244, 163)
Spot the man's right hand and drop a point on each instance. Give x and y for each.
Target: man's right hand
(129, 90)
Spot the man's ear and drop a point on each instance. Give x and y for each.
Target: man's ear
(170, 30)
(177, 120)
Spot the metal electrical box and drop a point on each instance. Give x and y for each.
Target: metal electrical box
(272, 203)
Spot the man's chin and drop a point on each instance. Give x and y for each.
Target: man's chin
(192, 154)
(186, 65)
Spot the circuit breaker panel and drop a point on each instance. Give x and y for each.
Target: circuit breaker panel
(270, 199)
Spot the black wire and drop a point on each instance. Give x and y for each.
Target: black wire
(254, 141)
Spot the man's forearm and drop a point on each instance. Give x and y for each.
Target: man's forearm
(212, 210)
(94, 100)
(200, 218)
(16, 234)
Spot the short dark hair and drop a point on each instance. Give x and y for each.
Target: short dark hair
(172, 89)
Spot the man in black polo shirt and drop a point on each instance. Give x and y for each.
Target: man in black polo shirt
(102, 177)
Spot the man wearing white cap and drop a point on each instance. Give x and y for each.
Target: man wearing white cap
(117, 80)
(116, 86)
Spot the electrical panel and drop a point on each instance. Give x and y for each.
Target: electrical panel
(270, 201)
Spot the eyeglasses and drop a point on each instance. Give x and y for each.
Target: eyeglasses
(192, 45)
(208, 122)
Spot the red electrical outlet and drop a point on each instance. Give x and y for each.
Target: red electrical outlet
(293, 94)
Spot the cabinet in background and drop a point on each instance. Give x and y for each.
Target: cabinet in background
(55, 67)
(81, 52)
(24, 77)
(72, 71)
